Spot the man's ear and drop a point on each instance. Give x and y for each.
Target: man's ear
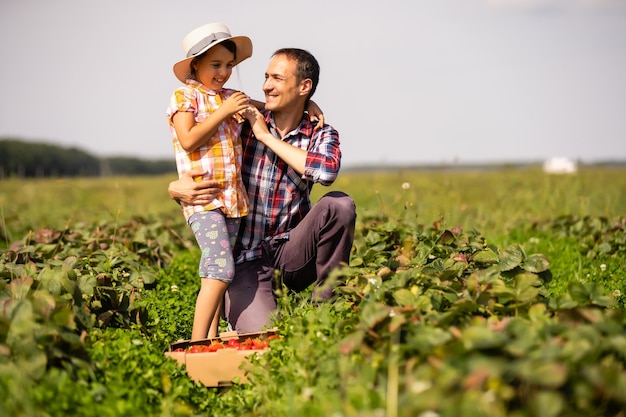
(305, 87)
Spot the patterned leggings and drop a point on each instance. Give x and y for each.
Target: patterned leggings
(215, 235)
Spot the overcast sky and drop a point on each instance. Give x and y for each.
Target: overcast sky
(404, 81)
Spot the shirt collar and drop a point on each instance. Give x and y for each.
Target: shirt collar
(305, 128)
(201, 87)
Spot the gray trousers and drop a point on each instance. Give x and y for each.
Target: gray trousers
(321, 242)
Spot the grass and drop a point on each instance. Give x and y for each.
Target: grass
(493, 202)
(502, 204)
(128, 376)
(33, 204)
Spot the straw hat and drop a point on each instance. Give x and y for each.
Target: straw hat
(201, 39)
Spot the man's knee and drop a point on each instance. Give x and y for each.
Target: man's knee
(341, 204)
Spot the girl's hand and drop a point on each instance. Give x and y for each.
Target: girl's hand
(235, 103)
(315, 113)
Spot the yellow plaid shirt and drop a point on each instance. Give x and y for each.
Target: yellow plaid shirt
(220, 157)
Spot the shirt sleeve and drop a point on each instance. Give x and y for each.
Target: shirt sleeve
(324, 156)
(182, 100)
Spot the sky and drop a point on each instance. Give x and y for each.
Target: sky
(405, 82)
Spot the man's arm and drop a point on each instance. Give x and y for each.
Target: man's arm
(320, 163)
(323, 159)
(294, 157)
(188, 191)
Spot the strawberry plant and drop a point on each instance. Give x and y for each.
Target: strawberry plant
(501, 303)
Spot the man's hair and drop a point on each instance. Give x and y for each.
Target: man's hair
(307, 66)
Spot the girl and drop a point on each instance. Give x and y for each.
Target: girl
(204, 121)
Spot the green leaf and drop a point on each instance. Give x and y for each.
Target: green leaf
(589, 293)
(605, 248)
(486, 256)
(33, 365)
(511, 257)
(404, 297)
(446, 238)
(426, 338)
(87, 284)
(373, 313)
(488, 275)
(598, 295)
(526, 287)
(51, 279)
(578, 292)
(541, 373)
(618, 343)
(44, 303)
(20, 288)
(538, 313)
(522, 337)
(500, 289)
(481, 337)
(141, 276)
(547, 403)
(536, 263)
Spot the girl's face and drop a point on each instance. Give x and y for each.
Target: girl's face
(215, 67)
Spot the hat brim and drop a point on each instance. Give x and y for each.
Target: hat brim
(182, 68)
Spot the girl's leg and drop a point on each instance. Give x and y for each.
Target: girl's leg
(215, 324)
(207, 308)
(217, 268)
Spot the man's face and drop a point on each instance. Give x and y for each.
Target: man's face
(281, 87)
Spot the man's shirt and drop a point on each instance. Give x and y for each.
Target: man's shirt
(279, 196)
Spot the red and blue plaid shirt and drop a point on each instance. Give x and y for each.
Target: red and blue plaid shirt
(279, 196)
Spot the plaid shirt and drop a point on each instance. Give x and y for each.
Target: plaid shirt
(279, 196)
(220, 156)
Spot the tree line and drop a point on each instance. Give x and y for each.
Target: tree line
(37, 159)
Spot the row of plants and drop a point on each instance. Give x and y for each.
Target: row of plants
(428, 320)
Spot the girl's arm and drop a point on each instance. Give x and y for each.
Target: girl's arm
(315, 112)
(192, 135)
(258, 104)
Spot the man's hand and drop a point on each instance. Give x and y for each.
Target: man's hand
(256, 120)
(188, 191)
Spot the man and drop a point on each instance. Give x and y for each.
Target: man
(282, 231)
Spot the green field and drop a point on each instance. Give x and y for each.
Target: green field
(489, 292)
(492, 201)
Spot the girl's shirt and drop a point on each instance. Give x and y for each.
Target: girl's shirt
(220, 157)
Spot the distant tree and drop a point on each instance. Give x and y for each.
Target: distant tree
(37, 159)
(135, 166)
